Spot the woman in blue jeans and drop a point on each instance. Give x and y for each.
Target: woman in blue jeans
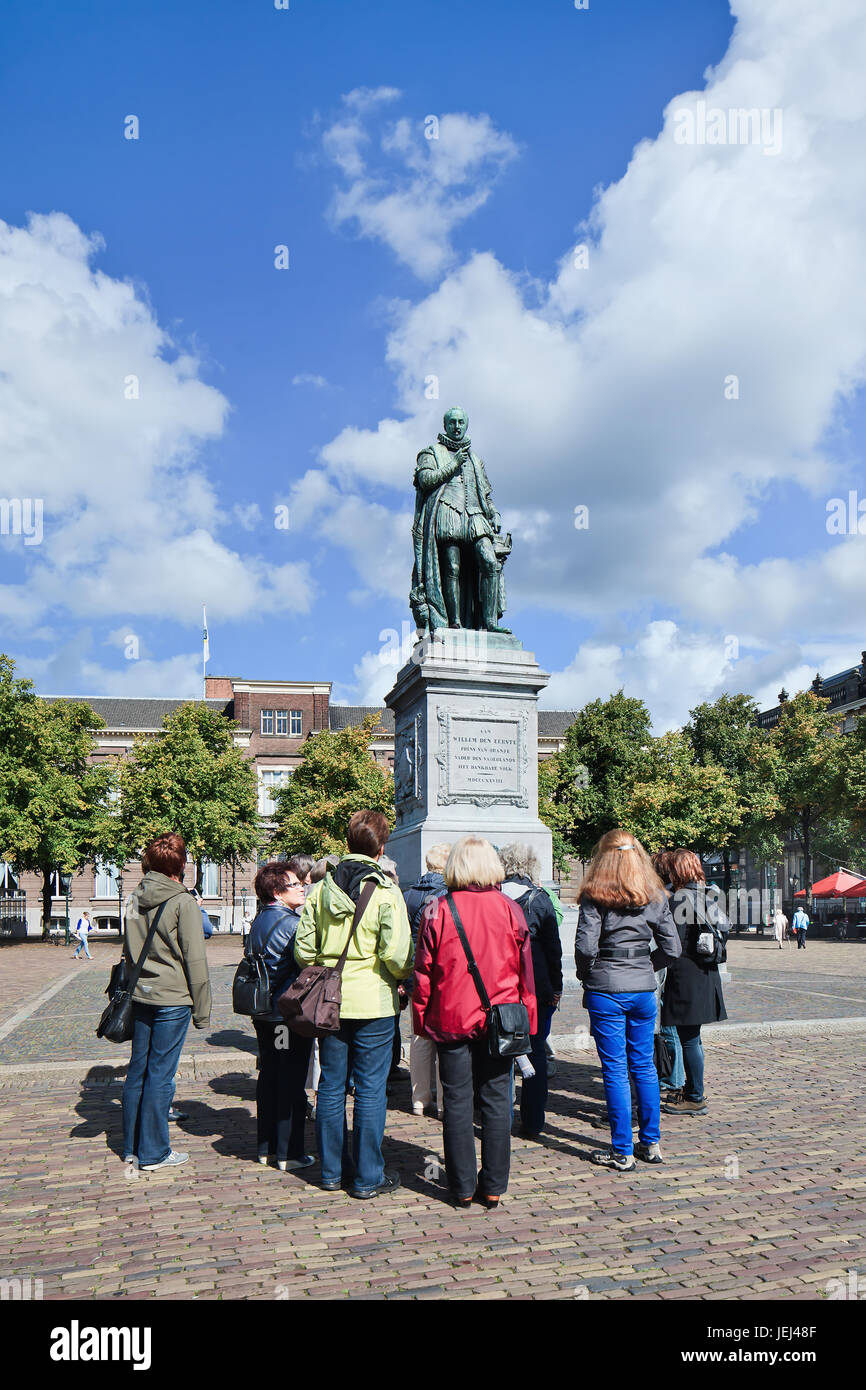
(624, 912)
(173, 987)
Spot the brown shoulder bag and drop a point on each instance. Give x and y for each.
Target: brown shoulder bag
(311, 1004)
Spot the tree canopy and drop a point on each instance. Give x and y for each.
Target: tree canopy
(337, 776)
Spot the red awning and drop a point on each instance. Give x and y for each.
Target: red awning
(841, 884)
(858, 890)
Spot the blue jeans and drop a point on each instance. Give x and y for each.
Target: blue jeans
(678, 1071)
(148, 1091)
(533, 1093)
(363, 1047)
(82, 946)
(693, 1060)
(623, 1026)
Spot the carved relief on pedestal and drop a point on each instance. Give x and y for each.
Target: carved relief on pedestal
(409, 766)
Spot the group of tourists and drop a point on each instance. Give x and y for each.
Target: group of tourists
(477, 934)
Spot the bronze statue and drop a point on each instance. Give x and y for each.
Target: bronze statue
(457, 580)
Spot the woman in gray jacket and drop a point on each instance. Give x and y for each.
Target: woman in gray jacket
(623, 908)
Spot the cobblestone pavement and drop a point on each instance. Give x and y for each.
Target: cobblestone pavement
(827, 980)
(762, 1198)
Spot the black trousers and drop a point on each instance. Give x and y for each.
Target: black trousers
(466, 1068)
(281, 1100)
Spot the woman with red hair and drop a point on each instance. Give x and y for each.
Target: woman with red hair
(623, 908)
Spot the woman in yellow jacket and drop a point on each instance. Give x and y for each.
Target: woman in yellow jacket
(379, 956)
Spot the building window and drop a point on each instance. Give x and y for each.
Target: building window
(296, 723)
(105, 885)
(210, 879)
(271, 778)
(267, 721)
(282, 721)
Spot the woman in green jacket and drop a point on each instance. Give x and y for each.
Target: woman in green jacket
(379, 956)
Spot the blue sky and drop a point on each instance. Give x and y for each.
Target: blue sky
(274, 385)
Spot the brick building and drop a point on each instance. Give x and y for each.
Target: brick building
(275, 719)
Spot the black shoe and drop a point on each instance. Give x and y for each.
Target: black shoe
(176, 1115)
(333, 1184)
(390, 1182)
(530, 1133)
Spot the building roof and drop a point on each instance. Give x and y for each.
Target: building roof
(134, 713)
(350, 716)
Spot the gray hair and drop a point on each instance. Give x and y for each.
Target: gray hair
(321, 867)
(520, 859)
(389, 866)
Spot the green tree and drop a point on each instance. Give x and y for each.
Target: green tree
(551, 812)
(724, 735)
(51, 797)
(681, 802)
(338, 776)
(192, 778)
(810, 767)
(588, 786)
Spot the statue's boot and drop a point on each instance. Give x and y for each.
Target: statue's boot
(489, 590)
(451, 595)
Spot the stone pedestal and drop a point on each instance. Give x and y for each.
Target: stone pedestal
(466, 747)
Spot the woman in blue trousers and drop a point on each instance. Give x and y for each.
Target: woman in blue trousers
(624, 913)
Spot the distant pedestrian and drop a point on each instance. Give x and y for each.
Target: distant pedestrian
(423, 1060)
(623, 908)
(447, 1007)
(389, 867)
(693, 988)
(780, 926)
(801, 926)
(206, 923)
(173, 985)
(522, 874)
(82, 930)
(379, 957)
(281, 1098)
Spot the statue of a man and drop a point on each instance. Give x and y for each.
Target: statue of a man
(459, 547)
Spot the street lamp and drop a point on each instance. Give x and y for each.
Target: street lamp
(243, 913)
(65, 882)
(120, 899)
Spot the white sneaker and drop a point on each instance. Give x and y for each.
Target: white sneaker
(417, 1107)
(171, 1160)
(288, 1165)
(131, 1158)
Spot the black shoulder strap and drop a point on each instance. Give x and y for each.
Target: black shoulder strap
(470, 959)
(151, 932)
(366, 894)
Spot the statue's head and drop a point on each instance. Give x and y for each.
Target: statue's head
(456, 422)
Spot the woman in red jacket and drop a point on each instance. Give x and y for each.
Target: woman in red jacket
(446, 1007)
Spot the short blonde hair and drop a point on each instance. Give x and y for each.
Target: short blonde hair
(436, 858)
(473, 862)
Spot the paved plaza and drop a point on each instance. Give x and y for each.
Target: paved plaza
(762, 1198)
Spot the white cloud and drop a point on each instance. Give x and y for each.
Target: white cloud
(310, 379)
(425, 180)
(248, 515)
(102, 416)
(606, 386)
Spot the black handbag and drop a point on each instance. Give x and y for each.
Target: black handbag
(507, 1024)
(117, 1023)
(251, 989)
(662, 1055)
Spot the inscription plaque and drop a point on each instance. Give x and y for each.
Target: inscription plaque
(483, 758)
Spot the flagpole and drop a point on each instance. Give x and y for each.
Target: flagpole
(205, 652)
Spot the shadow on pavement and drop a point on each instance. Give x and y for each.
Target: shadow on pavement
(233, 1037)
